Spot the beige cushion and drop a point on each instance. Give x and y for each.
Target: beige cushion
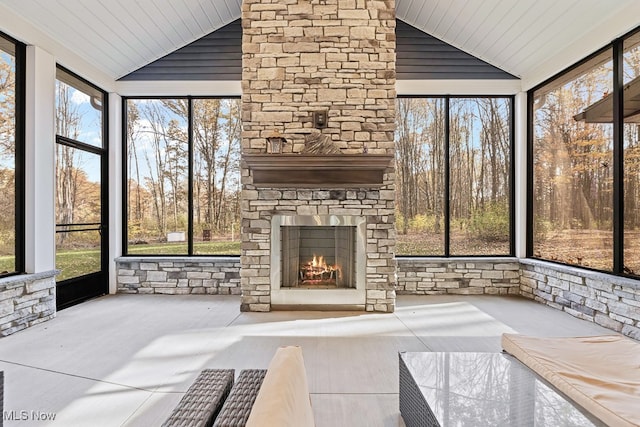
(601, 374)
(283, 399)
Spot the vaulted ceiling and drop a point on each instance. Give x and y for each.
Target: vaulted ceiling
(526, 38)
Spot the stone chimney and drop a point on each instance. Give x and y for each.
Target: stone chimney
(301, 57)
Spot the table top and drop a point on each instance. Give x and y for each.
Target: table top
(493, 389)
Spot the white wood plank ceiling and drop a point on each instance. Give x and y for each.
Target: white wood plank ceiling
(119, 36)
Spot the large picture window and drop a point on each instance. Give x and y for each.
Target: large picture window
(586, 162)
(11, 156)
(453, 176)
(631, 155)
(573, 168)
(183, 176)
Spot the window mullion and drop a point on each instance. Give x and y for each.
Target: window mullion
(447, 211)
(190, 176)
(618, 156)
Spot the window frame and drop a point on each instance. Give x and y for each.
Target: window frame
(447, 177)
(190, 175)
(20, 54)
(102, 151)
(616, 47)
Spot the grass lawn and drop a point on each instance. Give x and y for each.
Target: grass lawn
(200, 248)
(76, 262)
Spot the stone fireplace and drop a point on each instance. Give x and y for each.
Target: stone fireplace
(319, 70)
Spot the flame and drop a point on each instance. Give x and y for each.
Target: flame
(317, 266)
(317, 270)
(318, 262)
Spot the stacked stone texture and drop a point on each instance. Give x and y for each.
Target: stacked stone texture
(218, 276)
(305, 56)
(422, 276)
(321, 55)
(612, 302)
(26, 301)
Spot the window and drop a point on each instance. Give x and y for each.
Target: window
(183, 176)
(573, 168)
(453, 176)
(631, 155)
(11, 156)
(585, 162)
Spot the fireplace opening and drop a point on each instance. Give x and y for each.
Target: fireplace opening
(318, 257)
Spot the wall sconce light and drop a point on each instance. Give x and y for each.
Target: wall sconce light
(320, 119)
(275, 142)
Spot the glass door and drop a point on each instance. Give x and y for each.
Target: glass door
(81, 189)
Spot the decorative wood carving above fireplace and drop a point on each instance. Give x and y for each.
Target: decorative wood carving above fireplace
(331, 170)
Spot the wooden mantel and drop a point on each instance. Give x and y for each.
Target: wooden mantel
(304, 170)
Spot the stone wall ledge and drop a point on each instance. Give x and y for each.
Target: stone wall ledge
(610, 301)
(161, 258)
(178, 275)
(469, 259)
(624, 282)
(26, 300)
(458, 275)
(26, 278)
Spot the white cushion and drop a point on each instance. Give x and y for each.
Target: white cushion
(601, 373)
(283, 399)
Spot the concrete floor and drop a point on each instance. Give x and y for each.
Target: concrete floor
(125, 360)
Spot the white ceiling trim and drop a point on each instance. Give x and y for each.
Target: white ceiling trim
(458, 87)
(234, 88)
(179, 88)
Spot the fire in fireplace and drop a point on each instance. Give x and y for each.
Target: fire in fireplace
(318, 272)
(318, 257)
(317, 252)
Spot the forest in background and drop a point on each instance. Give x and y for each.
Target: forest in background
(573, 168)
(157, 169)
(573, 164)
(7, 162)
(479, 166)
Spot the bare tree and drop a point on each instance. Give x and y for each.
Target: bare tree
(7, 156)
(68, 122)
(411, 115)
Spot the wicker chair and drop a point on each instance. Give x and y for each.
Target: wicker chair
(237, 407)
(203, 400)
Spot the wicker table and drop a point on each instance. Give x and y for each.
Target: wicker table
(473, 389)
